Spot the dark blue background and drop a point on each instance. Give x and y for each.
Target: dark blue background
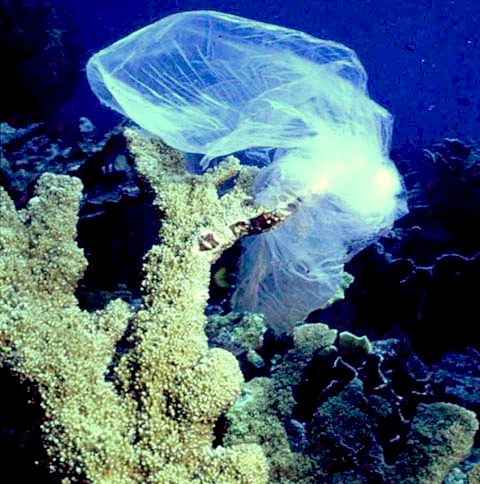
(422, 56)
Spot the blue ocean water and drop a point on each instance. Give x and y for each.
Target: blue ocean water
(422, 56)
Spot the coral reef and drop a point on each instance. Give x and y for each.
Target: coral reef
(336, 408)
(131, 391)
(241, 334)
(440, 437)
(116, 202)
(147, 412)
(28, 152)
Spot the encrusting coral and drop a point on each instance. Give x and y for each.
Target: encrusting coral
(147, 413)
(321, 422)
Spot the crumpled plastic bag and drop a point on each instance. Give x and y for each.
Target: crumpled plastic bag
(215, 84)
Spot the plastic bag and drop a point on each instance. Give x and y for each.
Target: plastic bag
(212, 83)
(215, 84)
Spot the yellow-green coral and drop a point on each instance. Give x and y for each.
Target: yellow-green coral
(49, 340)
(474, 474)
(441, 436)
(259, 415)
(254, 419)
(152, 421)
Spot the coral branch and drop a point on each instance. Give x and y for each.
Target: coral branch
(153, 420)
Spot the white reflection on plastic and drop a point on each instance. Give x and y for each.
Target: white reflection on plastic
(215, 84)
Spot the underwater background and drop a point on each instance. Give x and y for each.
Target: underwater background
(421, 56)
(398, 405)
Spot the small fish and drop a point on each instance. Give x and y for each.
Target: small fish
(221, 278)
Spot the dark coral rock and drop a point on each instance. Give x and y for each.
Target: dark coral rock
(118, 223)
(342, 437)
(356, 412)
(443, 186)
(391, 374)
(446, 311)
(40, 61)
(28, 152)
(420, 282)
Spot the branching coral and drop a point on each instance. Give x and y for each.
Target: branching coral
(146, 415)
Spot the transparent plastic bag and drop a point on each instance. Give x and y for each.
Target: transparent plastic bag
(214, 84)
